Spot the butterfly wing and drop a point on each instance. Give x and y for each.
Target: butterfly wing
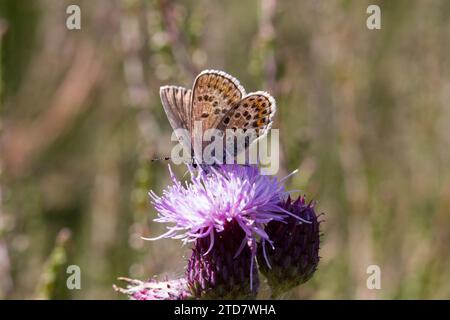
(218, 101)
(214, 93)
(176, 102)
(253, 114)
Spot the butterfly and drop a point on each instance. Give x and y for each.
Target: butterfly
(218, 101)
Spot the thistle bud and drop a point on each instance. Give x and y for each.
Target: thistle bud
(294, 256)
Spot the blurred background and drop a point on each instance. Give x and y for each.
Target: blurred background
(364, 114)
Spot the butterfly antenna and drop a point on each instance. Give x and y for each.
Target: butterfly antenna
(161, 159)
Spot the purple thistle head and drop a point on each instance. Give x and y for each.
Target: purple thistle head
(224, 211)
(153, 290)
(204, 206)
(293, 256)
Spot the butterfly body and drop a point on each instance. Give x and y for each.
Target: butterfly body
(218, 101)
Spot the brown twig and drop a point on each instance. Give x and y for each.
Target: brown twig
(178, 42)
(6, 283)
(134, 41)
(266, 47)
(267, 38)
(20, 143)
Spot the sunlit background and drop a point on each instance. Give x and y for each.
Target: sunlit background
(363, 114)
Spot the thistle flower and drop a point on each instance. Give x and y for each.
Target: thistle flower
(293, 255)
(230, 192)
(153, 290)
(224, 211)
